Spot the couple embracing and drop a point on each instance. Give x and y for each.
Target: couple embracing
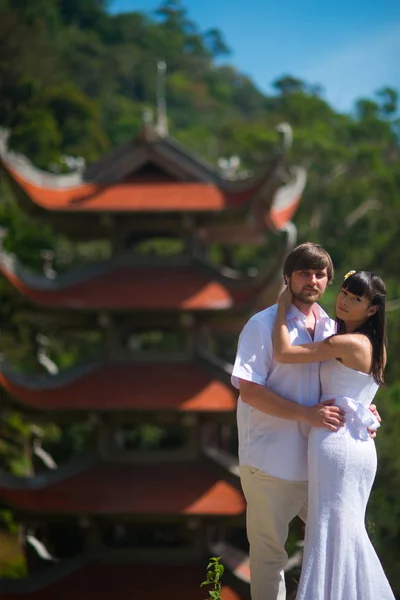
(306, 430)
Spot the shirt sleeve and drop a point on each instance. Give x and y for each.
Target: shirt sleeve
(254, 354)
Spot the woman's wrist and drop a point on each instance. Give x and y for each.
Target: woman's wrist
(282, 310)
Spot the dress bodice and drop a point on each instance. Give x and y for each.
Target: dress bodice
(337, 380)
(353, 391)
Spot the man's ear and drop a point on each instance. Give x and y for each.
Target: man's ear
(287, 279)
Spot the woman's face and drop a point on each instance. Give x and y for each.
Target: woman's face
(350, 307)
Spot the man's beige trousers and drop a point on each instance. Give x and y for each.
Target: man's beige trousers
(271, 504)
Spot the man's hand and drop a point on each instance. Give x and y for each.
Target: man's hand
(372, 408)
(325, 415)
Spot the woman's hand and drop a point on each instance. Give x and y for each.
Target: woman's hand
(286, 298)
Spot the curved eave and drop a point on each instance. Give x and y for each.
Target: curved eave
(280, 217)
(168, 489)
(103, 387)
(132, 197)
(287, 199)
(111, 580)
(271, 212)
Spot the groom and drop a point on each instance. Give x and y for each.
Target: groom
(278, 404)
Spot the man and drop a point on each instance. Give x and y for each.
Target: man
(278, 403)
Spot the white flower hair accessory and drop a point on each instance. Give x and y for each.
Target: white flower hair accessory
(348, 275)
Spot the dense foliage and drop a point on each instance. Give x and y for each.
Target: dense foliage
(74, 80)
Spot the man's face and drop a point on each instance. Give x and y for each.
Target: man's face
(308, 285)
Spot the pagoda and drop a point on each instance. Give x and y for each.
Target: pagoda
(125, 520)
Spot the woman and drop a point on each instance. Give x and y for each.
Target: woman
(339, 561)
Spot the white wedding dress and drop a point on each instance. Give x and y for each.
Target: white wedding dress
(339, 560)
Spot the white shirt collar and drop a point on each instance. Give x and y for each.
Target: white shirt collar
(295, 313)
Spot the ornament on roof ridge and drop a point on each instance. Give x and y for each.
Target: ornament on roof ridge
(161, 126)
(287, 133)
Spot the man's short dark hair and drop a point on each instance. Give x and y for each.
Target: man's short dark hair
(308, 256)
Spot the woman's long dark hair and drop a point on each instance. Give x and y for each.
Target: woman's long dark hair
(365, 283)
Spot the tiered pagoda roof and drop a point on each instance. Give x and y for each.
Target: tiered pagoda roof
(116, 581)
(188, 285)
(148, 188)
(173, 489)
(187, 386)
(133, 196)
(128, 288)
(153, 176)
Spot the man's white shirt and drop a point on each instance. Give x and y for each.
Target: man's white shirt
(274, 445)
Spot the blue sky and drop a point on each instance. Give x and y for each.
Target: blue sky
(350, 47)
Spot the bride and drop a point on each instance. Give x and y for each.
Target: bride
(339, 561)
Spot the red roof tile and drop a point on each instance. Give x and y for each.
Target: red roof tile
(140, 288)
(127, 582)
(132, 196)
(132, 489)
(129, 386)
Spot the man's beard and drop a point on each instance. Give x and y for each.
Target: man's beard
(306, 296)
